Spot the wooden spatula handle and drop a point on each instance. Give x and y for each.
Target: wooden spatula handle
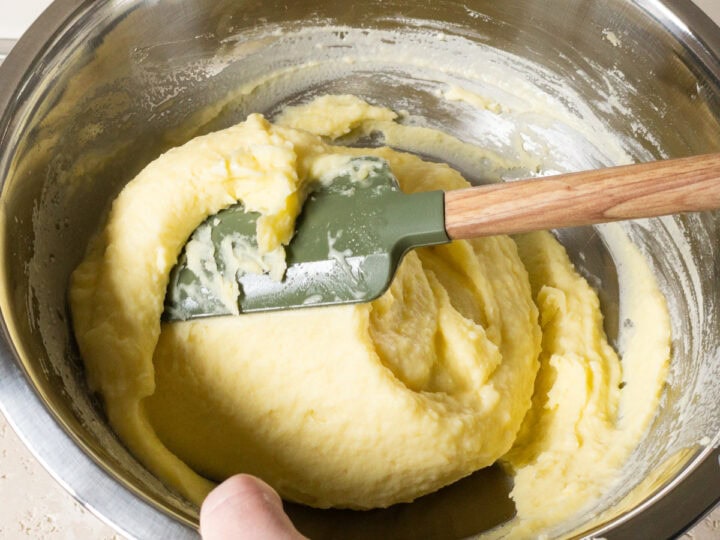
(613, 194)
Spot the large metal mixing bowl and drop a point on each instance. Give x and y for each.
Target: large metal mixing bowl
(96, 89)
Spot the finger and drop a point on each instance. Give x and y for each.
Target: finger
(245, 507)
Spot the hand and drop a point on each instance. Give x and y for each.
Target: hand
(245, 507)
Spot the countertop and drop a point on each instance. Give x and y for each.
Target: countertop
(32, 504)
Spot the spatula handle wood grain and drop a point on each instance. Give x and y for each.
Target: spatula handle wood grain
(585, 198)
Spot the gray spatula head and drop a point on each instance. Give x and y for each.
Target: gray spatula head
(349, 239)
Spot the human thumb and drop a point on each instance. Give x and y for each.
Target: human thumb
(245, 507)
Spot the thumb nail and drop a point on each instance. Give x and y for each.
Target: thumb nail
(245, 507)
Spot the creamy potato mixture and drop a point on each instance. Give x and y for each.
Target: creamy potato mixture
(481, 351)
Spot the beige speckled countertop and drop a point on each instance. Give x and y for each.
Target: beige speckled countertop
(32, 504)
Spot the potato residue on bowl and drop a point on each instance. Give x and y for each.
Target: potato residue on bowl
(481, 351)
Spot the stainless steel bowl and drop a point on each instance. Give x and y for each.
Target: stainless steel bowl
(96, 89)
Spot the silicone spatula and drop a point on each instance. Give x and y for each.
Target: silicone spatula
(351, 235)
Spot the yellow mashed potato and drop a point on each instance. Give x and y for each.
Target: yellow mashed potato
(484, 350)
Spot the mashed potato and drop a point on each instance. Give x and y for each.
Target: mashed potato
(482, 350)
